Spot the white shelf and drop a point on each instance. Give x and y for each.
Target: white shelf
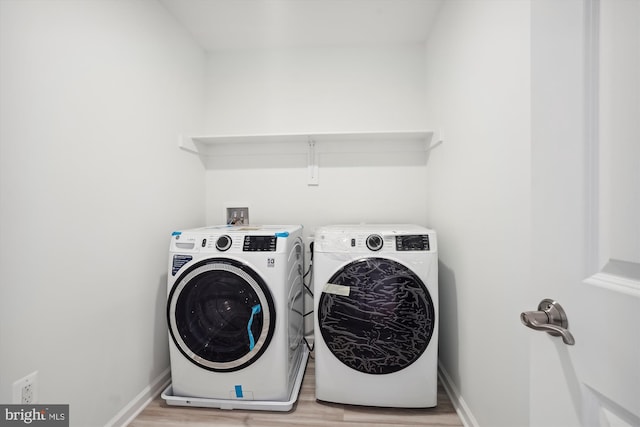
(220, 151)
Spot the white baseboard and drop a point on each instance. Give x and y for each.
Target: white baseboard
(462, 409)
(133, 408)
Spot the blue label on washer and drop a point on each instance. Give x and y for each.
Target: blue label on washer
(239, 394)
(178, 262)
(254, 310)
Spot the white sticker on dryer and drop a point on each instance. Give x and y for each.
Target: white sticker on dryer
(330, 288)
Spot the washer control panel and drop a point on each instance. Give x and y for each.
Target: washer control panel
(260, 243)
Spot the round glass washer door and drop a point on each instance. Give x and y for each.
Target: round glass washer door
(385, 322)
(221, 315)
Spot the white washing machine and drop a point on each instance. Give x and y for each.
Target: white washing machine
(376, 315)
(235, 312)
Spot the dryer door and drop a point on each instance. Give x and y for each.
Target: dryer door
(221, 315)
(385, 322)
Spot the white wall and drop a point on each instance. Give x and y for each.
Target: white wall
(94, 95)
(315, 89)
(318, 90)
(479, 194)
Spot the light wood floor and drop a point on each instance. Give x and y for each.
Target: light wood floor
(306, 412)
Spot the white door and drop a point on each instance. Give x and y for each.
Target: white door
(586, 211)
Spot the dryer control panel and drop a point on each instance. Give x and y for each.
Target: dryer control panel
(399, 243)
(419, 242)
(366, 239)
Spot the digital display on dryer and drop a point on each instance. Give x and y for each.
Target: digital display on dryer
(419, 242)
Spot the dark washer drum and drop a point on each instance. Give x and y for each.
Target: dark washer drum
(384, 324)
(221, 315)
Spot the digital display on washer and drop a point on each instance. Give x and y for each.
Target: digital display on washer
(418, 242)
(259, 243)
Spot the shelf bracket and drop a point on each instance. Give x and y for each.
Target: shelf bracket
(312, 163)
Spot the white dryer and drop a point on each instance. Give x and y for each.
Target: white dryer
(376, 315)
(235, 317)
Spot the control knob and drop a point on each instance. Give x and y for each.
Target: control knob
(223, 243)
(374, 242)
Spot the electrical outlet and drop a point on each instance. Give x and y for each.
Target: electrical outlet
(238, 215)
(25, 390)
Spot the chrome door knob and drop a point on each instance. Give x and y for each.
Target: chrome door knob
(550, 318)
